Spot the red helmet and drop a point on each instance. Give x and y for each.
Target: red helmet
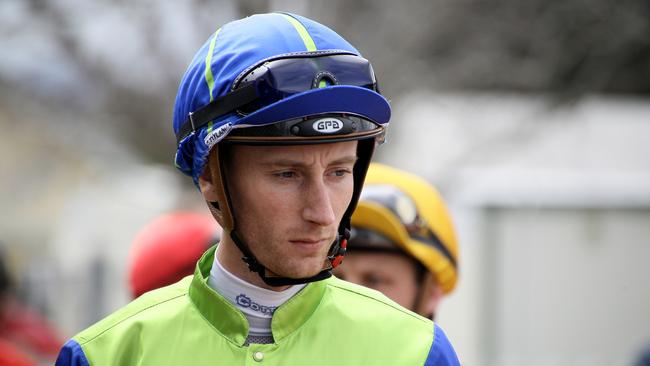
(11, 355)
(166, 249)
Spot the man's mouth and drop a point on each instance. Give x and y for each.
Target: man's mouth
(308, 241)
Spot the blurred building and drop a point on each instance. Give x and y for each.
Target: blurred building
(552, 205)
(72, 201)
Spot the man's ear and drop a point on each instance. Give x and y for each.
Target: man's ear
(213, 192)
(431, 295)
(208, 184)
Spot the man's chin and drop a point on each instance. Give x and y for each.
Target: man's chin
(303, 271)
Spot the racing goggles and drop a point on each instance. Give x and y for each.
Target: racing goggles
(404, 209)
(279, 78)
(371, 240)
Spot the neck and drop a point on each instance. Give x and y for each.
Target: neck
(230, 258)
(256, 303)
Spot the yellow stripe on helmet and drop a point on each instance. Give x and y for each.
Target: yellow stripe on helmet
(209, 78)
(302, 31)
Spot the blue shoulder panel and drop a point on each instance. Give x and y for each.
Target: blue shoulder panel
(71, 355)
(441, 353)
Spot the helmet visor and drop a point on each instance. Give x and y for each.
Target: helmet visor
(317, 129)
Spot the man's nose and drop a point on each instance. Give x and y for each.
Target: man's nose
(318, 204)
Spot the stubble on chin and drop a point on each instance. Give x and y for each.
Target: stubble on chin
(296, 267)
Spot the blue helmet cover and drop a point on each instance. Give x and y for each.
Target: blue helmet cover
(241, 44)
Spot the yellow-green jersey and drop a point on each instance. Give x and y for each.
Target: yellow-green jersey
(328, 322)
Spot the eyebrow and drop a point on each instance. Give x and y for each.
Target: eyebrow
(350, 159)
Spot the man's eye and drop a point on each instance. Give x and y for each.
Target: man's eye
(373, 280)
(287, 174)
(341, 172)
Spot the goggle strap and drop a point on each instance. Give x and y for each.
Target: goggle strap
(435, 241)
(216, 108)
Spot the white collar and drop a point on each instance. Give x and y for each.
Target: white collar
(257, 303)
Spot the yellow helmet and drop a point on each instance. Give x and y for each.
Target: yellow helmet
(409, 212)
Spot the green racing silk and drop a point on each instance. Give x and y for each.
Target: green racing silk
(330, 322)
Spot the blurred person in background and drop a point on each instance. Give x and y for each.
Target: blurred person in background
(11, 355)
(26, 337)
(167, 249)
(403, 241)
(276, 119)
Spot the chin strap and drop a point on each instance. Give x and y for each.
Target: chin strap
(335, 256)
(420, 282)
(339, 248)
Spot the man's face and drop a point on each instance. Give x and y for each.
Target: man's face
(288, 202)
(393, 274)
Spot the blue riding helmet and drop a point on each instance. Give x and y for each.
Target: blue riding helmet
(273, 79)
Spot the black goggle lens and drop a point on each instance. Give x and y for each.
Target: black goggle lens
(278, 79)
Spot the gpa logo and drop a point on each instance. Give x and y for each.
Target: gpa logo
(217, 135)
(327, 125)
